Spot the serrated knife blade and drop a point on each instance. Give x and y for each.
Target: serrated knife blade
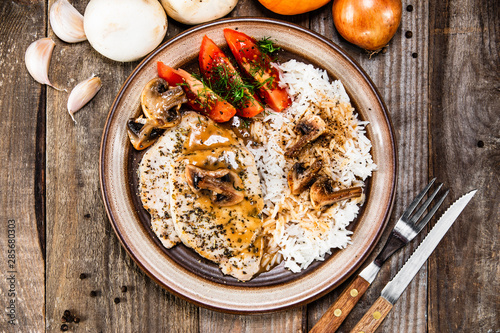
(393, 290)
(398, 284)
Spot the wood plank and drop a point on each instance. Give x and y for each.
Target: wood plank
(462, 69)
(402, 82)
(464, 288)
(22, 101)
(284, 321)
(79, 236)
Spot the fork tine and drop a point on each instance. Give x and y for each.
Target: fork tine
(431, 212)
(414, 219)
(417, 199)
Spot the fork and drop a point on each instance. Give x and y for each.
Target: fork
(407, 227)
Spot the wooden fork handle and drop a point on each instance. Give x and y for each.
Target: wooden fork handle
(336, 313)
(373, 317)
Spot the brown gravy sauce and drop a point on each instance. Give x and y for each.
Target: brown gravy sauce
(205, 136)
(213, 146)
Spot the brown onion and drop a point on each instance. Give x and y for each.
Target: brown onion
(369, 24)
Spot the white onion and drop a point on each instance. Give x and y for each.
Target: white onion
(196, 11)
(125, 30)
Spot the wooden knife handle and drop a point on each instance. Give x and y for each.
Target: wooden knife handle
(336, 313)
(373, 317)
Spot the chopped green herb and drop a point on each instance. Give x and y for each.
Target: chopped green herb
(268, 82)
(267, 46)
(228, 86)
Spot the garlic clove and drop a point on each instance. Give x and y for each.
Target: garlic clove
(66, 22)
(37, 59)
(82, 93)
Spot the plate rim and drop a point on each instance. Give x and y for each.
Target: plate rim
(388, 210)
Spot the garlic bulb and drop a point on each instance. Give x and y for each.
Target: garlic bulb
(82, 93)
(37, 59)
(66, 22)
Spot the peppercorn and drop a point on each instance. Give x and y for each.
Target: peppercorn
(117, 300)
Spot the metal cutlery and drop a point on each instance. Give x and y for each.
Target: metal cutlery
(407, 227)
(393, 290)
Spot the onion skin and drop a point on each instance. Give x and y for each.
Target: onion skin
(293, 7)
(194, 12)
(369, 24)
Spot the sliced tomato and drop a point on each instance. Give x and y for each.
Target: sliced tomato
(200, 97)
(220, 73)
(258, 66)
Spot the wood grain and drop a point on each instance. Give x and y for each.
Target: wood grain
(442, 90)
(338, 311)
(79, 235)
(374, 317)
(23, 278)
(464, 284)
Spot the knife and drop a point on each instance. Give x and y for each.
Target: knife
(393, 290)
(407, 227)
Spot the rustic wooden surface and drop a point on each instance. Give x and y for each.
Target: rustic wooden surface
(442, 87)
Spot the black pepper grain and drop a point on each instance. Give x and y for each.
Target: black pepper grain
(64, 327)
(408, 34)
(83, 276)
(93, 293)
(124, 289)
(414, 54)
(409, 8)
(76, 320)
(480, 144)
(117, 300)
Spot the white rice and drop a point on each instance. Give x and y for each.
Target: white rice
(298, 234)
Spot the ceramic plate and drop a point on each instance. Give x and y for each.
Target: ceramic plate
(182, 271)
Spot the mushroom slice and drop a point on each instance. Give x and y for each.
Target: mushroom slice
(323, 193)
(224, 186)
(309, 129)
(162, 104)
(301, 177)
(142, 133)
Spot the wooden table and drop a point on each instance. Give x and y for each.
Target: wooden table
(441, 84)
